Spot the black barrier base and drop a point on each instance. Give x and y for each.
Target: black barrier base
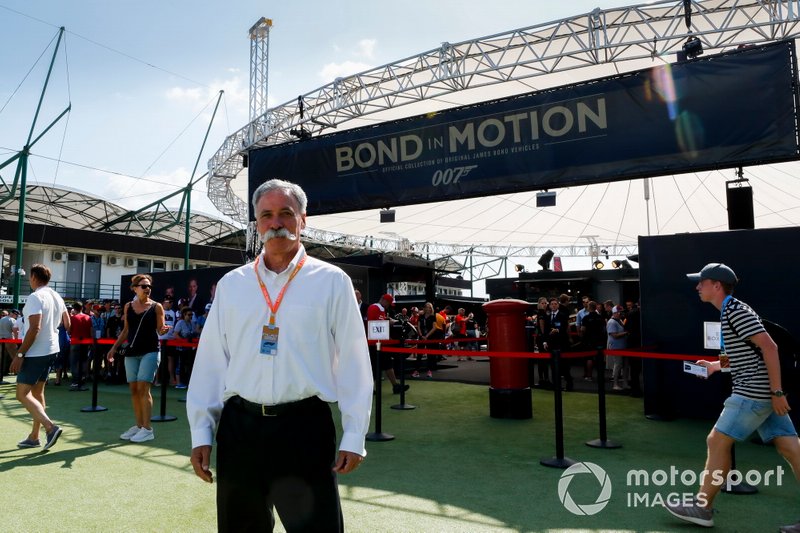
(93, 409)
(403, 406)
(165, 418)
(510, 403)
(659, 418)
(609, 444)
(741, 488)
(379, 437)
(555, 462)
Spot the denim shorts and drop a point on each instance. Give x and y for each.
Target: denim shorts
(35, 369)
(742, 416)
(142, 367)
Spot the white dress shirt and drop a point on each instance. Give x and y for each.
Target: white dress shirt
(322, 348)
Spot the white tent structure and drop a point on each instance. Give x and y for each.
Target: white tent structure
(588, 220)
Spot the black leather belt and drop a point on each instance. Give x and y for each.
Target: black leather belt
(281, 409)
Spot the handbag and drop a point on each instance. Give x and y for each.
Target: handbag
(122, 351)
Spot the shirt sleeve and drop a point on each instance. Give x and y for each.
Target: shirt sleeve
(745, 323)
(204, 399)
(352, 368)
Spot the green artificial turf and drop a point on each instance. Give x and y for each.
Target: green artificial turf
(450, 468)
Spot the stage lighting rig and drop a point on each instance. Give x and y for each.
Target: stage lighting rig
(693, 47)
(544, 260)
(301, 134)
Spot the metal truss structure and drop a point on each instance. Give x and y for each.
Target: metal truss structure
(585, 46)
(259, 67)
(67, 208)
(482, 261)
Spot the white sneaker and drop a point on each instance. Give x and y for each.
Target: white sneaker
(130, 433)
(143, 435)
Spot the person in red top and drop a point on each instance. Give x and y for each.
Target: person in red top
(80, 330)
(379, 311)
(460, 327)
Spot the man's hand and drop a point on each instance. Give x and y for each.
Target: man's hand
(711, 366)
(780, 405)
(346, 462)
(16, 364)
(200, 459)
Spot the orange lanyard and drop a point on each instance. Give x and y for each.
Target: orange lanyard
(274, 307)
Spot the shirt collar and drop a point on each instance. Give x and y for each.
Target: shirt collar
(289, 268)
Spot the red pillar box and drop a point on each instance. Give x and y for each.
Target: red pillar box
(509, 391)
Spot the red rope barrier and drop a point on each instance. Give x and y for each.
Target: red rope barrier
(546, 355)
(654, 355)
(519, 355)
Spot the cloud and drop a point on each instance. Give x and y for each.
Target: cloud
(182, 94)
(237, 95)
(331, 71)
(364, 51)
(366, 48)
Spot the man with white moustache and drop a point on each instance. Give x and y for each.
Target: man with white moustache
(267, 369)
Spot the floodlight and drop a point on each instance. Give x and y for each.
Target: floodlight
(544, 261)
(693, 47)
(598, 265)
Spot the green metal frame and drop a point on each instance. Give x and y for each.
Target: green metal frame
(21, 175)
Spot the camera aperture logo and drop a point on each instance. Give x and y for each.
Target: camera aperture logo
(602, 498)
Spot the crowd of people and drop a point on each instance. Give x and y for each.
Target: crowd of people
(596, 325)
(424, 324)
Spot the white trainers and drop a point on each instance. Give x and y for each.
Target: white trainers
(143, 435)
(130, 433)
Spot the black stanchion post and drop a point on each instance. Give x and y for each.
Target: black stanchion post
(378, 435)
(164, 379)
(182, 399)
(4, 351)
(602, 442)
(559, 461)
(403, 406)
(94, 408)
(741, 486)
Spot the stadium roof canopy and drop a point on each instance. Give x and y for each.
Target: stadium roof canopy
(67, 208)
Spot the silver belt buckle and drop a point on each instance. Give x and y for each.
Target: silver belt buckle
(264, 410)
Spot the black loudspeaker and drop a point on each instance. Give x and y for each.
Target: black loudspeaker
(740, 207)
(545, 199)
(387, 215)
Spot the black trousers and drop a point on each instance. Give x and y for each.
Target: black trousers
(282, 461)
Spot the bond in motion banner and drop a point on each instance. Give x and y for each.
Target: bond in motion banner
(733, 109)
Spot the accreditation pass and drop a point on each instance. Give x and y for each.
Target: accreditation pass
(269, 340)
(697, 370)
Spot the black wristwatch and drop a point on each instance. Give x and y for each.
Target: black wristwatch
(21, 355)
(778, 393)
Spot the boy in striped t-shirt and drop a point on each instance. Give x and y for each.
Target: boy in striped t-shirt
(757, 402)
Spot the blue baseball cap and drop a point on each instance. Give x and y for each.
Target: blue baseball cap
(717, 272)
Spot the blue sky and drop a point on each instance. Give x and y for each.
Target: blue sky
(142, 77)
